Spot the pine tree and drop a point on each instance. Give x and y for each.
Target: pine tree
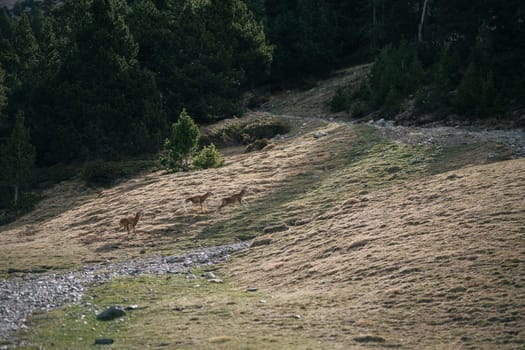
(6, 24)
(48, 54)
(17, 159)
(102, 94)
(416, 74)
(489, 96)
(446, 75)
(8, 58)
(182, 143)
(25, 45)
(208, 157)
(470, 92)
(3, 93)
(393, 100)
(203, 53)
(104, 47)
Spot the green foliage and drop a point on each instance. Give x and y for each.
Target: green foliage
(359, 109)
(8, 58)
(470, 89)
(305, 37)
(490, 99)
(208, 157)
(101, 103)
(254, 131)
(48, 45)
(46, 177)
(10, 211)
(25, 44)
(447, 69)
(17, 160)
(356, 101)
(445, 73)
(181, 144)
(477, 94)
(25, 203)
(396, 73)
(100, 78)
(3, 92)
(392, 102)
(203, 53)
(426, 100)
(342, 100)
(151, 59)
(415, 75)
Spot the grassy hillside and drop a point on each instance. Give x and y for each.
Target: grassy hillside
(360, 241)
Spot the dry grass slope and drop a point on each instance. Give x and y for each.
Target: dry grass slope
(432, 263)
(364, 243)
(75, 225)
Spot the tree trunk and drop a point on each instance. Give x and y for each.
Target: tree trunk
(16, 201)
(17, 176)
(374, 16)
(420, 29)
(374, 24)
(16, 195)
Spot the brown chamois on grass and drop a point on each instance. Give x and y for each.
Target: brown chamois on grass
(130, 222)
(199, 199)
(238, 197)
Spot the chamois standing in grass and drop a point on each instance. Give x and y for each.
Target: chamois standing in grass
(238, 197)
(199, 199)
(130, 222)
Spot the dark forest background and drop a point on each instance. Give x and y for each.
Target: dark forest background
(105, 79)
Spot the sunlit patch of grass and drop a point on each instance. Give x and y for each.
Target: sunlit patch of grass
(45, 259)
(172, 312)
(456, 157)
(363, 165)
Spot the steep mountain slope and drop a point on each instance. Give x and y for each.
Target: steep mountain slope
(363, 238)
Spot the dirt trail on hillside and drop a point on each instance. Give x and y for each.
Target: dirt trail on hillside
(314, 103)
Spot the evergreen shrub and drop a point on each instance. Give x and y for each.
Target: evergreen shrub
(208, 157)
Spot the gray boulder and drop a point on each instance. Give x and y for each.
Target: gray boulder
(111, 313)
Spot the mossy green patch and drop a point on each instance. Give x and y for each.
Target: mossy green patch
(172, 312)
(363, 165)
(367, 163)
(458, 156)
